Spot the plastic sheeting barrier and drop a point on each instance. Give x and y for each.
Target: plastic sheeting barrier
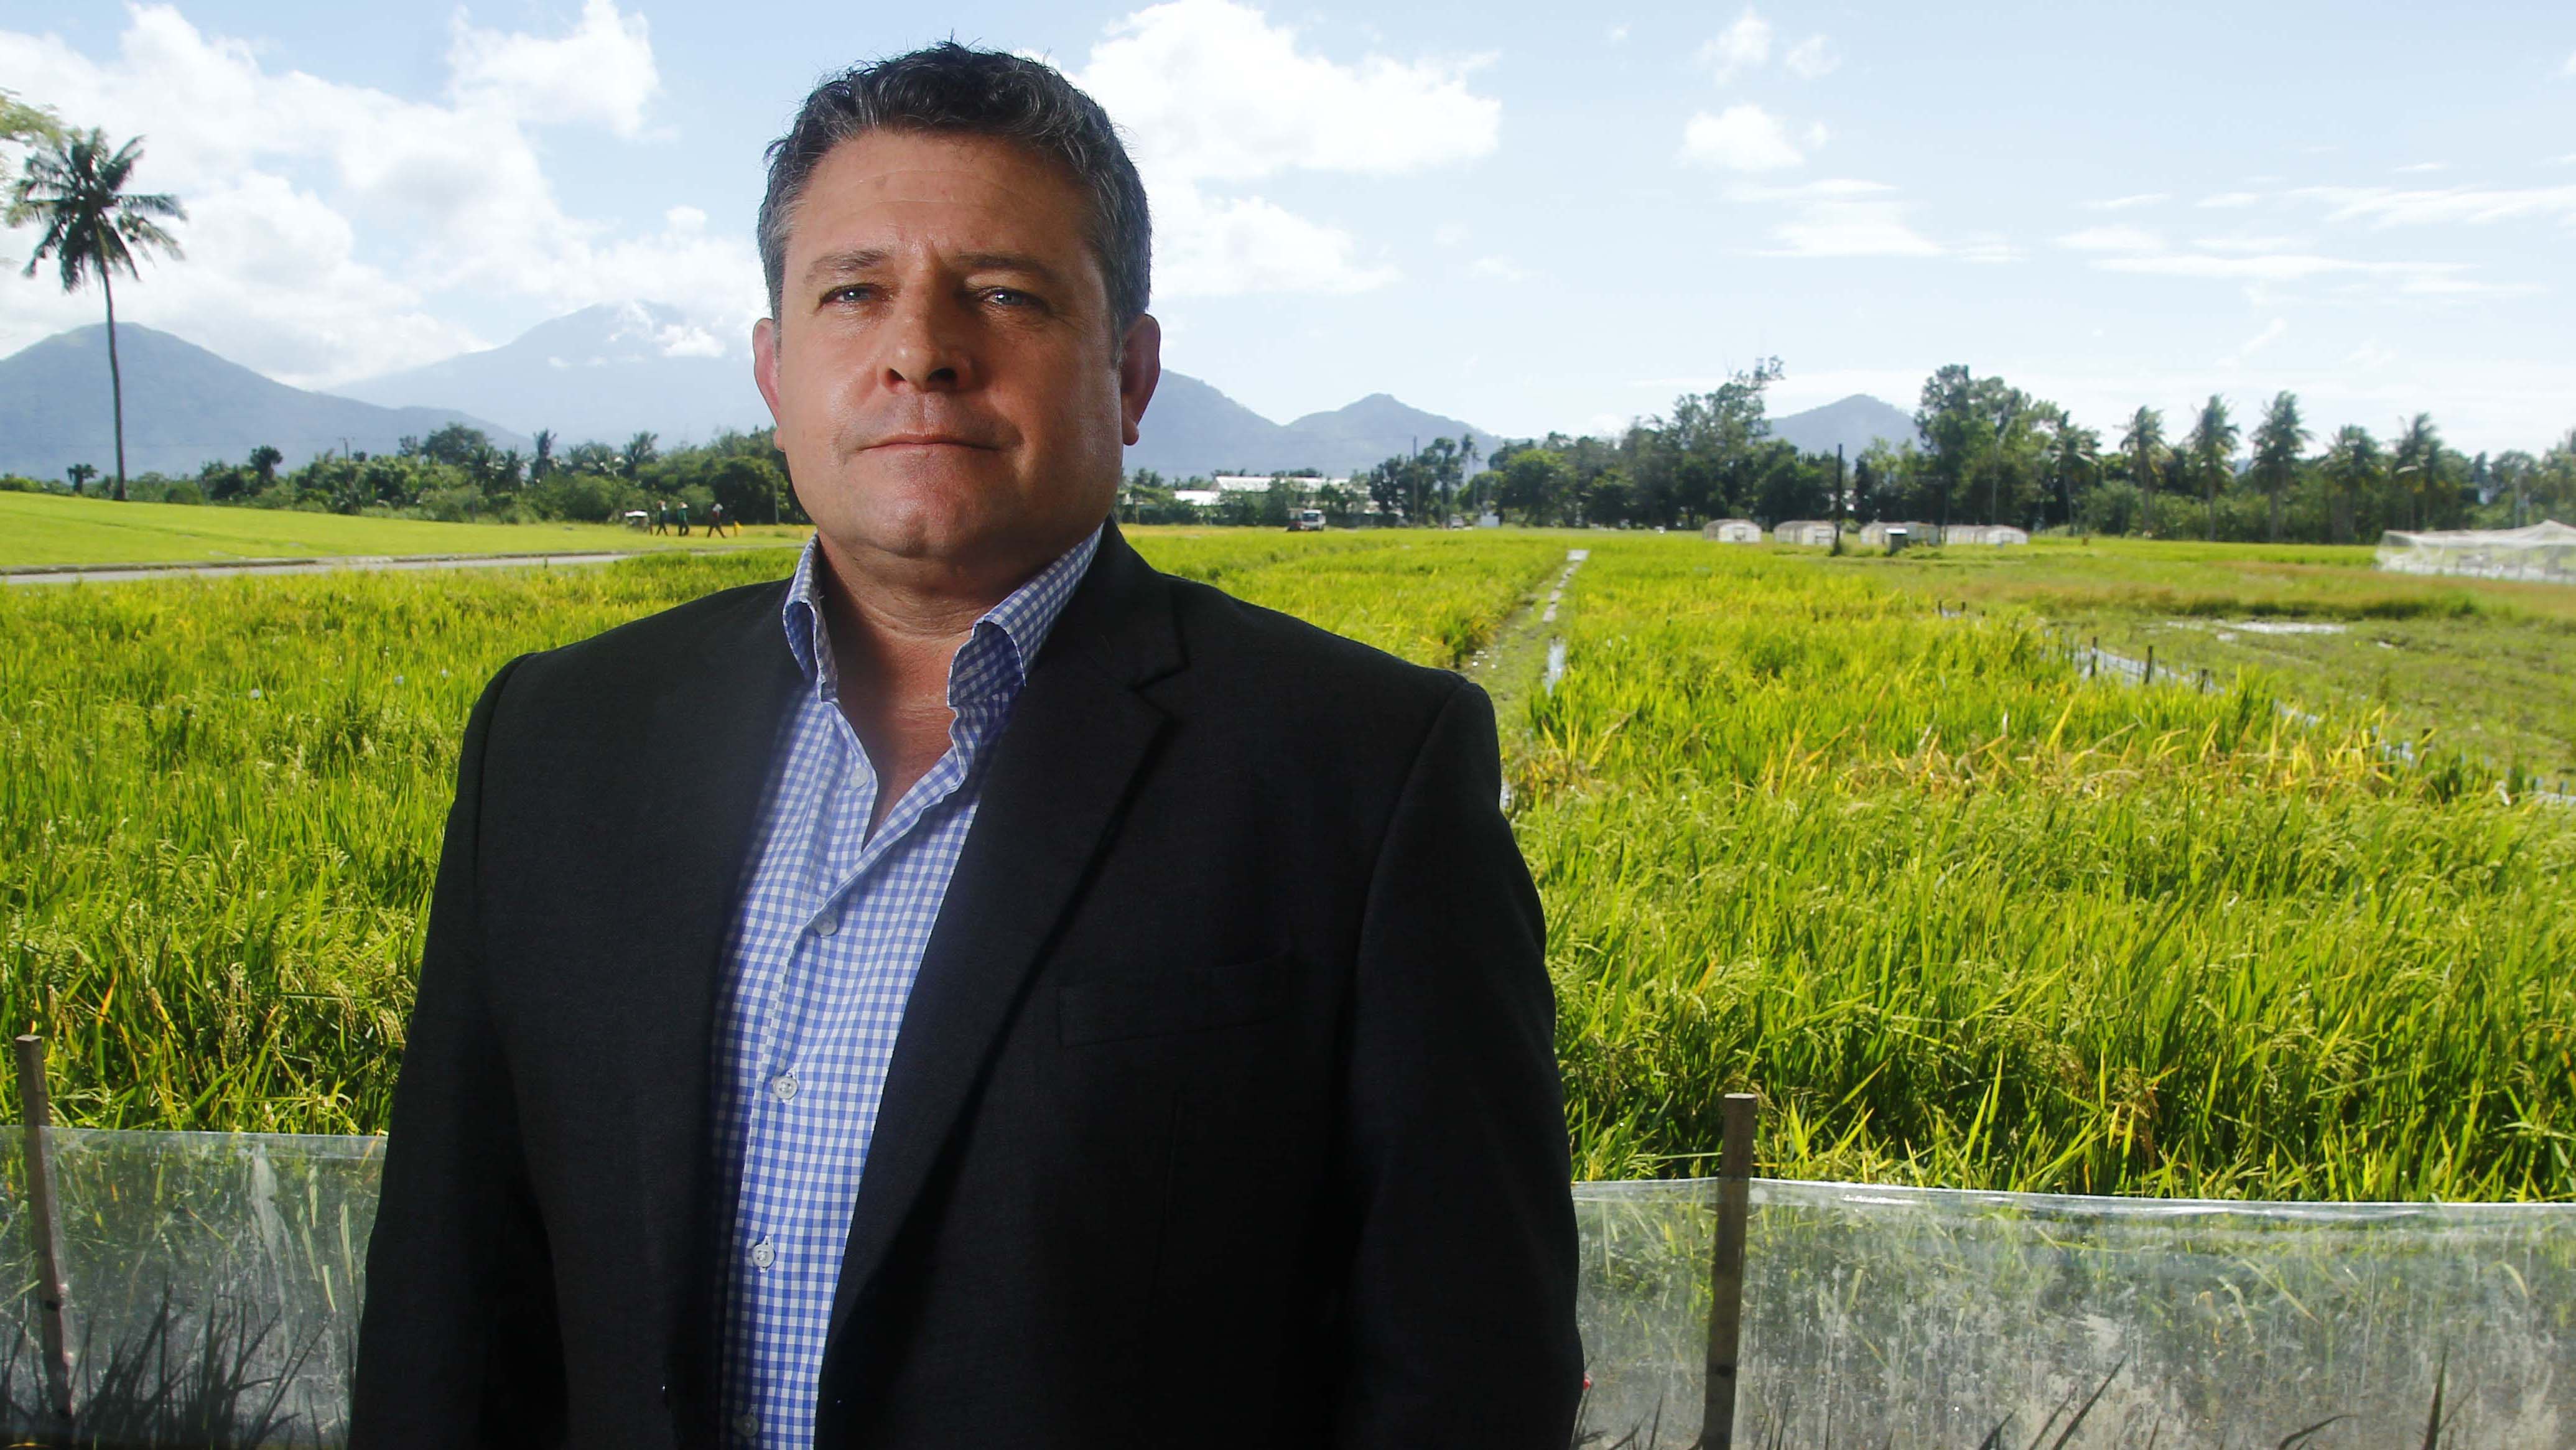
(214, 1278)
(211, 1280)
(1928, 1317)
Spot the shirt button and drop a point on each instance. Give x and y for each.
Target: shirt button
(828, 923)
(785, 1086)
(746, 1424)
(763, 1255)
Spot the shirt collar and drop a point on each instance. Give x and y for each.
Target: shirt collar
(996, 656)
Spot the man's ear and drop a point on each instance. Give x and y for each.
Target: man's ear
(1140, 371)
(764, 365)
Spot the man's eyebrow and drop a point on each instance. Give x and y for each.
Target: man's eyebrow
(1007, 262)
(841, 264)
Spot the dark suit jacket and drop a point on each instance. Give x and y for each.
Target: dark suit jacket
(1225, 1109)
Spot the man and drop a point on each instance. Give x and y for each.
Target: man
(1075, 1009)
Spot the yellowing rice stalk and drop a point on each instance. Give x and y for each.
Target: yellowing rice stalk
(1963, 916)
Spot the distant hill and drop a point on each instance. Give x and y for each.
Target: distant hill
(611, 371)
(1855, 423)
(184, 406)
(606, 373)
(1194, 429)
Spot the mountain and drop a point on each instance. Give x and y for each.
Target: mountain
(606, 373)
(1191, 428)
(184, 406)
(1855, 423)
(611, 371)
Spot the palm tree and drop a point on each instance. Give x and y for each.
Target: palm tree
(2351, 467)
(76, 186)
(2277, 441)
(2144, 442)
(2418, 451)
(2077, 449)
(2212, 447)
(80, 473)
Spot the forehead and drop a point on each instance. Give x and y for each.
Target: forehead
(976, 192)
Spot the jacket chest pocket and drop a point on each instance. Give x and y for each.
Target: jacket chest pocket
(1120, 1008)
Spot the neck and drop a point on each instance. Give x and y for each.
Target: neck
(894, 634)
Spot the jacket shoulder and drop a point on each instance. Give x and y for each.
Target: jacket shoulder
(1223, 630)
(642, 650)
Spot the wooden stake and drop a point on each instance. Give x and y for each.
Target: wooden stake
(1726, 1271)
(41, 1227)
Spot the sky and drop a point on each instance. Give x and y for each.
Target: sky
(1532, 218)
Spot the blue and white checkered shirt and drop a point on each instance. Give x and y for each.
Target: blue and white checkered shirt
(829, 933)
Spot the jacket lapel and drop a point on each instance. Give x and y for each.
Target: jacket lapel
(709, 739)
(1078, 734)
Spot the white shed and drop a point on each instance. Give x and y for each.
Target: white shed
(1732, 531)
(1984, 534)
(1806, 531)
(1874, 535)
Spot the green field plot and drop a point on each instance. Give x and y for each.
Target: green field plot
(47, 529)
(220, 799)
(2488, 667)
(1965, 917)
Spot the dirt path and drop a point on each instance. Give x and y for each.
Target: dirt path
(121, 573)
(1527, 654)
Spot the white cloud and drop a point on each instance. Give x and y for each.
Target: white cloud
(1173, 77)
(1618, 34)
(2569, 69)
(285, 173)
(1206, 246)
(1812, 58)
(1743, 46)
(2422, 278)
(2462, 205)
(1449, 234)
(602, 72)
(2422, 167)
(2274, 331)
(1741, 138)
(1843, 217)
(2113, 239)
(2125, 203)
(1177, 78)
(1501, 269)
(2229, 199)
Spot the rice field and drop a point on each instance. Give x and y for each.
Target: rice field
(1964, 918)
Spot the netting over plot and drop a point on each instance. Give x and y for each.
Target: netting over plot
(1928, 1317)
(214, 1281)
(2544, 551)
(211, 1280)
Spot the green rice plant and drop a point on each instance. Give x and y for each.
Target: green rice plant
(220, 800)
(1967, 919)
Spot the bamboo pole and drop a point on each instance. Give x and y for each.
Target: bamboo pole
(42, 1229)
(1726, 1272)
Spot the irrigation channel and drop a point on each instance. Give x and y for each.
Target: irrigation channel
(212, 1285)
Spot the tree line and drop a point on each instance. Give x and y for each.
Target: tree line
(458, 474)
(1988, 452)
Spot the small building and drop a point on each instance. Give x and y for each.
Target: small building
(1884, 533)
(1984, 534)
(1806, 531)
(1732, 531)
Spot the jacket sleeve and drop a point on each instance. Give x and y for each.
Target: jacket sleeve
(458, 1344)
(1458, 1312)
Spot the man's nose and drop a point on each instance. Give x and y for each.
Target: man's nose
(925, 347)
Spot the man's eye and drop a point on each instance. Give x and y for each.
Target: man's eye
(1010, 297)
(855, 292)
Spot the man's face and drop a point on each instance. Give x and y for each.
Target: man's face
(948, 388)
